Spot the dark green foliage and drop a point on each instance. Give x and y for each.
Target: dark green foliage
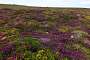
(67, 17)
(32, 41)
(1, 55)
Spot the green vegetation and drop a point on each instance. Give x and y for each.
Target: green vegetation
(32, 41)
(35, 33)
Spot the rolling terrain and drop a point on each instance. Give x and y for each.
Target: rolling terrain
(44, 33)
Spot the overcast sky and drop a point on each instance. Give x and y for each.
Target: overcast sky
(50, 3)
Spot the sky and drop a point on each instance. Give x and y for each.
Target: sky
(50, 3)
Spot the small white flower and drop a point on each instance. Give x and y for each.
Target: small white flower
(72, 36)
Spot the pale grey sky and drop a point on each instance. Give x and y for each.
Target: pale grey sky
(50, 3)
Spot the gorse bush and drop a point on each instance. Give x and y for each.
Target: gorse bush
(43, 54)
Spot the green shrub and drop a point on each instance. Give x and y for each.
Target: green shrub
(32, 41)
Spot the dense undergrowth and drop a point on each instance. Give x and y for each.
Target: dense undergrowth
(44, 34)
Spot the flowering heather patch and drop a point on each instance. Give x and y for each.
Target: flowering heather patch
(44, 34)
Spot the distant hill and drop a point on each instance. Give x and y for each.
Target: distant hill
(14, 6)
